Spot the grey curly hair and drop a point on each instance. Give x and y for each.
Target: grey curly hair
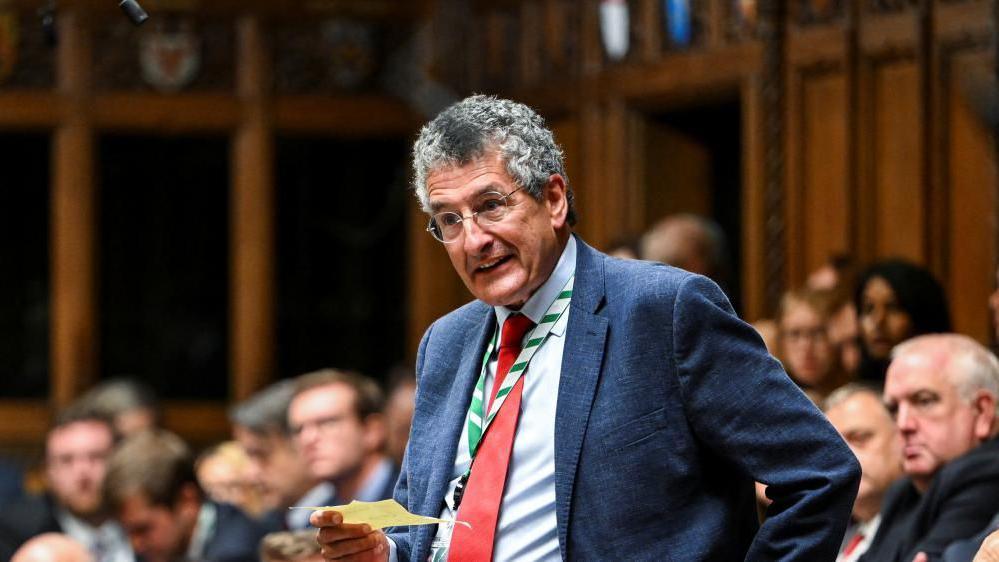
(470, 128)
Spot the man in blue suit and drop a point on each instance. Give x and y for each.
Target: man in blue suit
(627, 410)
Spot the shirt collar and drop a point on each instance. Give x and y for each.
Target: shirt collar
(538, 303)
(379, 479)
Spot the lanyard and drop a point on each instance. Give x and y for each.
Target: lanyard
(477, 423)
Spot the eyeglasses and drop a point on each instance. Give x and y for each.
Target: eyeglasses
(323, 426)
(446, 227)
(802, 334)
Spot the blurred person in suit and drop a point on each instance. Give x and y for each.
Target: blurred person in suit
(223, 473)
(803, 341)
(76, 452)
(857, 413)
(152, 490)
(337, 420)
(276, 466)
(942, 390)
(131, 405)
(691, 242)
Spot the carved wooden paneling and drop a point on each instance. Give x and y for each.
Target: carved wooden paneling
(970, 180)
(818, 165)
(892, 208)
(28, 61)
(119, 48)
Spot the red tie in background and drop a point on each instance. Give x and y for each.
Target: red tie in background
(483, 495)
(852, 545)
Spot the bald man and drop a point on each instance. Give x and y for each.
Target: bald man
(52, 547)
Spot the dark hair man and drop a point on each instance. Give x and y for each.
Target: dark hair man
(260, 425)
(76, 452)
(634, 410)
(152, 489)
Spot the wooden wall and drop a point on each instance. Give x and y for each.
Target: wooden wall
(77, 108)
(860, 124)
(878, 140)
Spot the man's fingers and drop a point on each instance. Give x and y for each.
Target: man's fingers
(371, 546)
(325, 518)
(342, 532)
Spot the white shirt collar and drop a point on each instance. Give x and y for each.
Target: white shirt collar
(538, 303)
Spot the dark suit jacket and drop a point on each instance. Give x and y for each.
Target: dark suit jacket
(965, 550)
(23, 519)
(235, 538)
(669, 407)
(959, 503)
(388, 490)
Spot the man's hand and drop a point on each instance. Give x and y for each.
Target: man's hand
(990, 549)
(341, 541)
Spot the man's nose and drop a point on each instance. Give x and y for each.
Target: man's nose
(904, 419)
(475, 236)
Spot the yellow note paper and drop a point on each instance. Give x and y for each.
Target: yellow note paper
(378, 515)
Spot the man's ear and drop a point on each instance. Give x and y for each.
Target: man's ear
(188, 498)
(557, 200)
(375, 433)
(985, 414)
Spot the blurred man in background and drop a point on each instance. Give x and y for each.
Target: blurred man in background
(942, 390)
(337, 421)
(260, 425)
(856, 411)
(152, 490)
(76, 452)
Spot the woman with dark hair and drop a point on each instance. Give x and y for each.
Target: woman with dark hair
(895, 300)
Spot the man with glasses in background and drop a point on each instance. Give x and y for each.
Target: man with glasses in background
(336, 420)
(626, 410)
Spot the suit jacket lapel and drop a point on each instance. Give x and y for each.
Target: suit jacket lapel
(582, 358)
(452, 417)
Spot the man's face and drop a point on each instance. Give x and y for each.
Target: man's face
(158, 533)
(842, 333)
(330, 436)
(76, 460)
(870, 432)
(805, 345)
(505, 262)
(275, 466)
(935, 423)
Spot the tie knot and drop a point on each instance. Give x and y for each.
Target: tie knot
(514, 328)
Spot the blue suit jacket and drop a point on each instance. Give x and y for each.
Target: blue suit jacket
(668, 408)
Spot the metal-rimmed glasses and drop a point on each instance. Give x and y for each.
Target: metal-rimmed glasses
(492, 206)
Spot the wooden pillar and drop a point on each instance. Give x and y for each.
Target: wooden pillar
(252, 228)
(73, 336)
(754, 228)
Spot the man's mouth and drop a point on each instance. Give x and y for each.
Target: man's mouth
(492, 264)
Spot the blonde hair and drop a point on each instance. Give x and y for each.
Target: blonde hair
(288, 546)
